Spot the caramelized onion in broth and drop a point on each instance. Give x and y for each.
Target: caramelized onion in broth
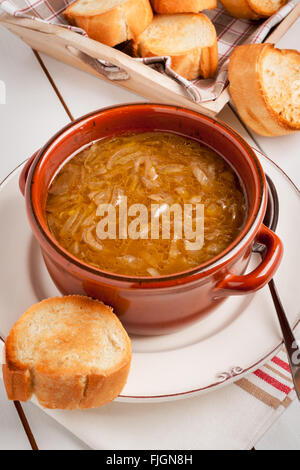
(149, 168)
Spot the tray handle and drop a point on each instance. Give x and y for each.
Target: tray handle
(110, 71)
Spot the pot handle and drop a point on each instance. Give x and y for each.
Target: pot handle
(237, 285)
(25, 171)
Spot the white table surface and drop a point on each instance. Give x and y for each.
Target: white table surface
(32, 113)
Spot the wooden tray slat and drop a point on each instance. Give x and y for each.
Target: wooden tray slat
(70, 47)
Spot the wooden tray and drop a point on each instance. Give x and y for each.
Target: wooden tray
(81, 52)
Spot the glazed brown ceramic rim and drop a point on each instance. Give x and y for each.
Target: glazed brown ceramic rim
(223, 257)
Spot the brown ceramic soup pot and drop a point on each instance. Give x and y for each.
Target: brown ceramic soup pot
(149, 306)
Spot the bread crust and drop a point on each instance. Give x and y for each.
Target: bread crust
(240, 9)
(72, 390)
(247, 92)
(17, 381)
(182, 6)
(265, 10)
(246, 9)
(192, 64)
(122, 23)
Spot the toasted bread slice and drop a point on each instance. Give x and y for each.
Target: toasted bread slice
(252, 9)
(182, 6)
(266, 7)
(265, 88)
(189, 39)
(71, 352)
(110, 21)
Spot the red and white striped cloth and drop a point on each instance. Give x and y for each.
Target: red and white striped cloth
(231, 32)
(272, 384)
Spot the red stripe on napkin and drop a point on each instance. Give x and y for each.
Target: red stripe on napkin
(281, 363)
(271, 381)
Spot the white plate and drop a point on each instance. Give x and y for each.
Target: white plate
(236, 338)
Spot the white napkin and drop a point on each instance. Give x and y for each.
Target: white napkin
(234, 417)
(229, 418)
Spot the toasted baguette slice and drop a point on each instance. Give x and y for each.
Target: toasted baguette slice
(252, 9)
(71, 352)
(189, 39)
(182, 6)
(110, 21)
(265, 88)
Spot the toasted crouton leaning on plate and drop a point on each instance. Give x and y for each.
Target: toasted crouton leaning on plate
(70, 352)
